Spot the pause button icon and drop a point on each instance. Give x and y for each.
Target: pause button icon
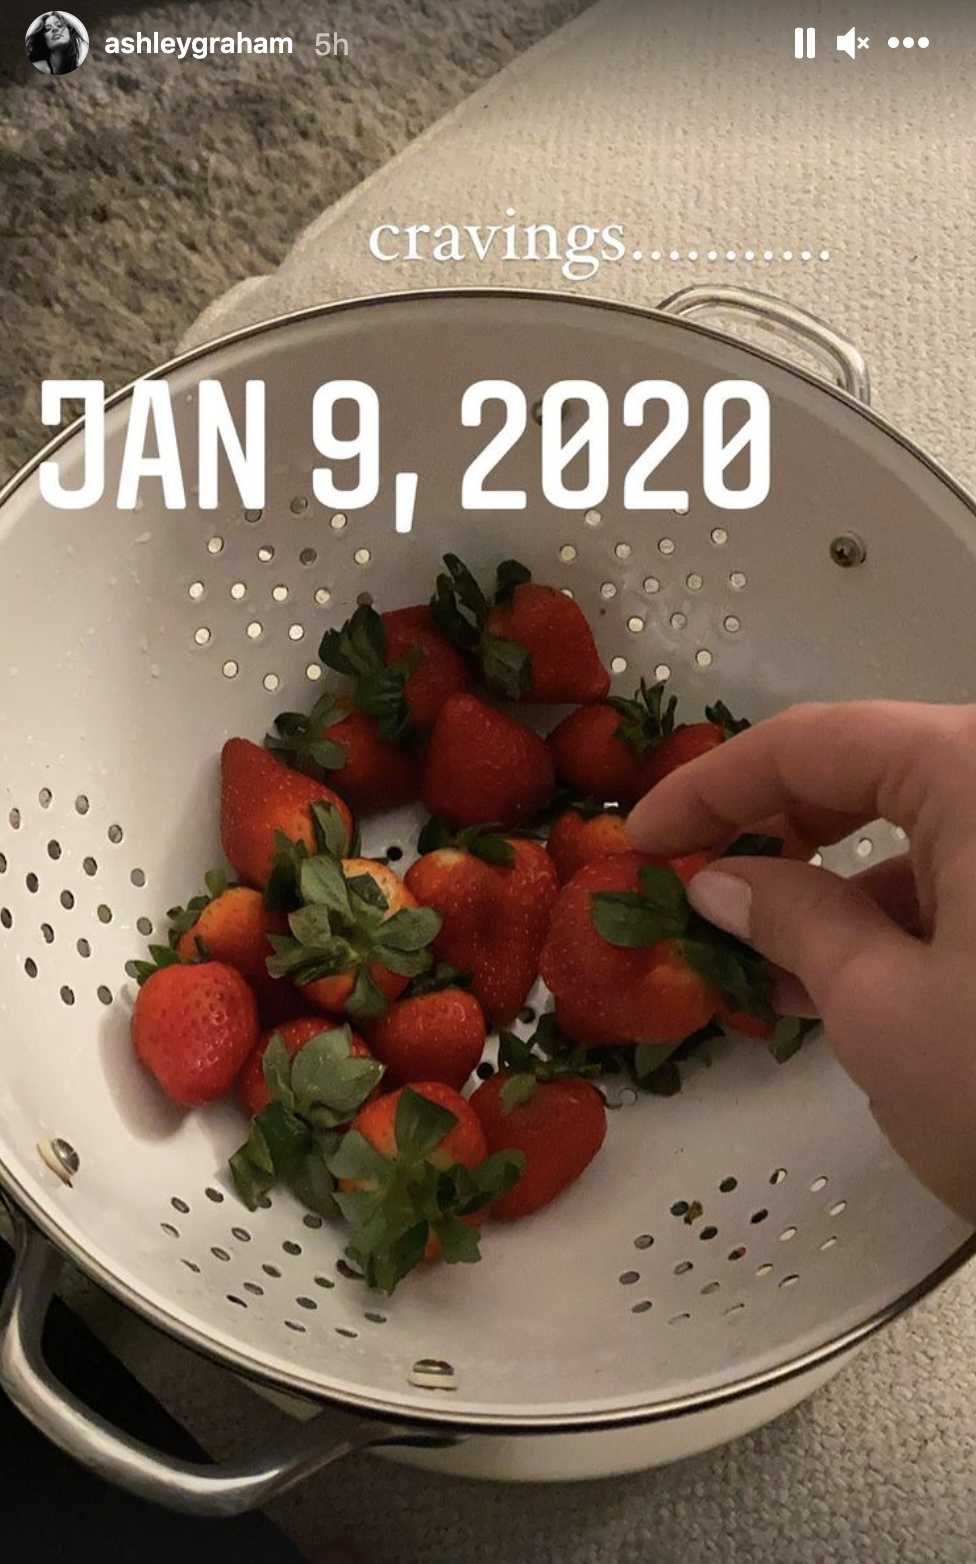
(805, 42)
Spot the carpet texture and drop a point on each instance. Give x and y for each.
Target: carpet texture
(135, 190)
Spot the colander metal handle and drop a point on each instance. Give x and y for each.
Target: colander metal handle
(844, 361)
(219, 1490)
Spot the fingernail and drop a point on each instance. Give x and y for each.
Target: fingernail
(723, 899)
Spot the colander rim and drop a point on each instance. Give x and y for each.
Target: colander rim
(303, 1385)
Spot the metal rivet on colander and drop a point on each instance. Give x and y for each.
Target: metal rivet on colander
(61, 1157)
(433, 1374)
(847, 550)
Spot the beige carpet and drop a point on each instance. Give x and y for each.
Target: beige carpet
(135, 190)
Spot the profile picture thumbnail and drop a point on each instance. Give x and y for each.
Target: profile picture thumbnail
(57, 43)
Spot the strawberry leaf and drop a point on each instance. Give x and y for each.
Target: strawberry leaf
(412, 928)
(302, 739)
(420, 1125)
(322, 883)
(509, 575)
(162, 956)
(458, 1241)
(367, 892)
(648, 721)
(790, 1035)
(313, 1185)
(506, 666)
(356, 1159)
(329, 1082)
(477, 1188)
(276, 1067)
(358, 648)
(437, 978)
(516, 1091)
(367, 1002)
(251, 1181)
(720, 715)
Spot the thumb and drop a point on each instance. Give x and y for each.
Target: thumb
(806, 920)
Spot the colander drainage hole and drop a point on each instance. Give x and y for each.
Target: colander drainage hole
(47, 933)
(44, 797)
(818, 1184)
(678, 1319)
(179, 1205)
(709, 1288)
(67, 995)
(394, 853)
(627, 1278)
(643, 1241)
(485, 1070)
(683, 1267)
(14, 819)
(789, 1281)
(290, 1247)
(735, 1308)
(169, 1229)
(763, 1270)
(271, 1270)
(32, 883)
(254, 1289)
(828, 1243)
(3, 864)
(67, 900)
(642, 1307)
(311, 1220)
(30, 967)
(787, 1234)
(54, 850)
(138, 878)
(191, 1265)
(680, 1208)
(241, 1234)
(344, 1330)
(374, 1318)
(306, 1303)
(214, 1194)
(144, 925)
(90, 866)
(239, 1301)
(737, 1254)
(708, 1233)
(325, 1281)
(758, 1216)
(115, 834)
(6, 918)
(219, 1254)
(838, 1208)
(294, 1325)
(777, 1176)
(348, 1271)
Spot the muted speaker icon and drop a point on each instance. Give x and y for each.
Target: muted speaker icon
(845, 42)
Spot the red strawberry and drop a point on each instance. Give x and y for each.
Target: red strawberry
(414, 1178)
(558, 1126)
(338, 743)
(689, 742)
(741, 1021)
(483, 766)
(582, 835)
(251, 1084)
(619, 960)
(232, 924)
(357, 939)
(438, 1036)
(193, 1027)
(403, 669)
(494, 896)
(600, 751)
(532, 642)
(260, 797)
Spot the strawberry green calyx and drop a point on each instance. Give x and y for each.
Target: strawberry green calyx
(302, 739)
(358, 649)
(332, 840)
(648, 719)
(312, 1094)
(721, 717)
(342, 926)
(660, 910)
(460, 611)
(183, 919)
(404, 1200)
(546, 1056)
(442, 975)
(160, 956)
(483, 841)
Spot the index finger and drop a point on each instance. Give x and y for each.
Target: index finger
(864, 759)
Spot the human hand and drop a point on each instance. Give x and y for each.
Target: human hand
(886, 958)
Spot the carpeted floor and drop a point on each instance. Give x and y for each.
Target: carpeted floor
(139, 188)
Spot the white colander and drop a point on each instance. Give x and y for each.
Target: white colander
(133, 643)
